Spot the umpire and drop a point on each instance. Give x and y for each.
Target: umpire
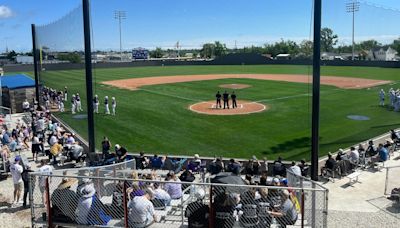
(233, 97)
(226, 99)
(218, 96)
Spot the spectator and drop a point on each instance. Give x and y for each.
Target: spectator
(53, 139)
(279, 168)
(106, 147)
(44, 170)
(187, 176)
(173, 189)
(16, 171)
(64, 201)
(121, 153)
(36, 147)
(197, 212)
(234, 167)
(303, 167)
(264, 166)
(395, 136)
(141, 161)
(161, 195)
(371, 149)
(26, 180)
(216, 166)
(141, 210)
(382, 155)
(341, 155)
(195, 164)
(330, 163)
(117, 206)
(295, 169)
(55, 151)
(288, 214)
(354, 156)
(168, 164)
(76, 152)
(156, 162)
(13, 144)
(225, 206)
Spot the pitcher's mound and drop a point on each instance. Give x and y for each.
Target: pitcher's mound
(243, 107)
(235, 86)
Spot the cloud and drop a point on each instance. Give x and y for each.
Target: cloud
(5, 12)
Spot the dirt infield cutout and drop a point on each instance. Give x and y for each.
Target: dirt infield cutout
(341, 82)
(234, 86)
(243, 107)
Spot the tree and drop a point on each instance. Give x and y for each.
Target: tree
(220, 49)
(368, 45)
(396, 45)
(207, 51)
(306, 48)
(11, 55)
(282, 47)
(328, 39)
(158, 53)
(71, 57)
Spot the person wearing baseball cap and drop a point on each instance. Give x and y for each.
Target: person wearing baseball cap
(26, 180)
(16, 171)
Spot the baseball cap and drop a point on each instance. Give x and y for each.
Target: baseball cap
(17, 158)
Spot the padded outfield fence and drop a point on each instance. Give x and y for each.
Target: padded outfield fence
(108, 196)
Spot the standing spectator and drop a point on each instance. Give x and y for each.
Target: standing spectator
(264, 166)
(197, 212)
(295, 169)
(44, 170)
(26, 180)
(173, 189)
(233, 97)
(36, 147)
(25, 106)
(142, 213)
(226, 99)
(16, 171)
(106, 146)
(279, 168)
(113, 105)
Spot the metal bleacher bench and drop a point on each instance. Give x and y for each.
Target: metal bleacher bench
(353, 177)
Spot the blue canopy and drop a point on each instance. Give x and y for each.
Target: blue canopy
(17, 81)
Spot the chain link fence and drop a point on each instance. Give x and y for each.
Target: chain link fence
(120, 196)
(315, 202)
(392, 180)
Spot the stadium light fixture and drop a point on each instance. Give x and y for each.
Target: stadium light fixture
(353, 6)
(120, 15)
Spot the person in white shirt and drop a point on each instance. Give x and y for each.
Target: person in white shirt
(25, 106)
(295, 169)
(44, 170)
(16, 171)
(142, 211)
(354, 156)
(161, 194)
(113, 105)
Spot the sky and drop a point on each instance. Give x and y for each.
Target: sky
(161, 23)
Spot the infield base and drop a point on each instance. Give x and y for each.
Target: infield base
(243, 107)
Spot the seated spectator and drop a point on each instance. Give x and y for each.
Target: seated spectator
(263, 203)
(263, 180)
(187, 176)
(121, 153)
(135, 190)
(303, 167)
(264, 166)
(248, 179)
(395, 136)
(197, 212)
(155, 162)
(76, 152)
(216, 166)
(168, 163)
(371, 149)
(234, 167)
(117, 208)
(330, 163)
(287, 215)
(64, 201)
(195, 164)
(55, 151)
(256, 166)
(13, 144)
(71, 139)
(354, 156)
(248, 169)
(174, 190)
(141, 161)
(382, 155)
(141, 210)
(295, 169)
(225, 206)
(341, 155)
(161, 195)
(278, 168)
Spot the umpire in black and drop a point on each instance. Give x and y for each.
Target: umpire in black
(218, 96)
(226, 99)
(233, 97)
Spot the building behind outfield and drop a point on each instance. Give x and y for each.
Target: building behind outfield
(15, 89)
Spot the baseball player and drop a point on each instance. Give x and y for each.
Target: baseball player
(73, 104)
(392, 97)
(96, 103)
(61, 105)
(65, 94)
(218, 96)
(106, 105)
(233, 97)
(382, 98)
(226, 99)
(78, 103)
(113, 105)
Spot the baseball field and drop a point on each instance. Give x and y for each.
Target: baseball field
(171, 110)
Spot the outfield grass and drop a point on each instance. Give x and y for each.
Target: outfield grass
(156, 120)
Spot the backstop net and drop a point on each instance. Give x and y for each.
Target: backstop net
(60, 45)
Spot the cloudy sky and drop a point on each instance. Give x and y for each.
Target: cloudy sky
(160, 23)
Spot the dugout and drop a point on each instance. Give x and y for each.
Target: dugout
(15, 89)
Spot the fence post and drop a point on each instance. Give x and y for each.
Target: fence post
(302, 208)
(31, 203)
(211, 217)
(125, 206)
(49, 214)
(313, 205)
(386, 180)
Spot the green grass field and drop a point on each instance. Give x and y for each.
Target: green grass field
(156, 120)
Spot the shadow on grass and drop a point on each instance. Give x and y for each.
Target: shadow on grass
(290, 145)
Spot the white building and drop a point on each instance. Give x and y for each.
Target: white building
(382, 54)
(24, 59)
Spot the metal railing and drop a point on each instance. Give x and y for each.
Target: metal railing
(87, 198)
(392, 179)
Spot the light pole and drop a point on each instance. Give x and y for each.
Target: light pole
(353, 6)
(120, 15)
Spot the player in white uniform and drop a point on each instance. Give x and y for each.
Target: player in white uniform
(65, 94)
(73, 104)
(113, 105)
(106, 105)
(78, 103)
(96, 104)
(382, 98)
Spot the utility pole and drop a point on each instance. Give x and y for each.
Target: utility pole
(353, 6)
(120, 15)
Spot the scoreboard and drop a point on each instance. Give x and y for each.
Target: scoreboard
(140, 53)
